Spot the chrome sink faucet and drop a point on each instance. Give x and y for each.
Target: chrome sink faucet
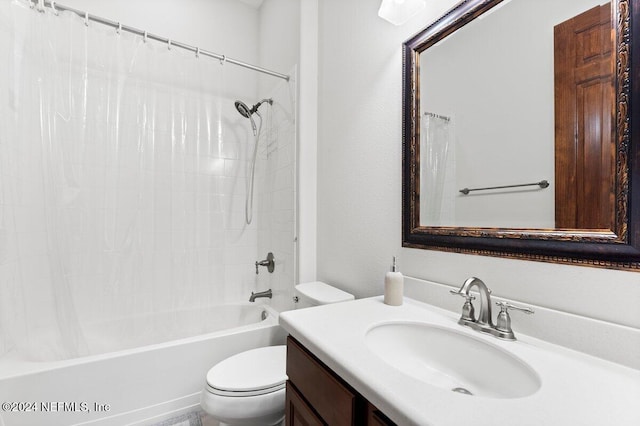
(484, 321)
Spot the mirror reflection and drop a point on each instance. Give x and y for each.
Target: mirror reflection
(523, 95)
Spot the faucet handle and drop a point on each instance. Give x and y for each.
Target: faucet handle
(505, 306)
(503, 322)
(468, 312)
(269, 262)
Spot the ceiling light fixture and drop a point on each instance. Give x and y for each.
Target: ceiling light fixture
(400, 11)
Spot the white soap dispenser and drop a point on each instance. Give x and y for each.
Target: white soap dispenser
(393, 286)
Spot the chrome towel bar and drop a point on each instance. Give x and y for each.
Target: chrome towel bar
(541, 184)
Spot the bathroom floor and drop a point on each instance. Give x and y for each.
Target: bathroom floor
(193, 418)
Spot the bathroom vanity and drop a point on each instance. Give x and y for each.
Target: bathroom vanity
(348, 363)
(316, 395)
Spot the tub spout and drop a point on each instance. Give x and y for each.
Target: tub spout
(254, 296)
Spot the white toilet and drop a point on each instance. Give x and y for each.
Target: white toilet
(318, 293)
(249, 388)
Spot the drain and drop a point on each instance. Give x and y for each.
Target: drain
(462, 390)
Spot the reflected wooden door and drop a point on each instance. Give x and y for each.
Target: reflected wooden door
(584, 106)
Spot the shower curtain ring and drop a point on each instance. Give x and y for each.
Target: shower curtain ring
(53, 7)
(197, 52)
(145, 36)
(169, 44)
(86, 19)
(119, 29)
(223, 60)
(40, 5)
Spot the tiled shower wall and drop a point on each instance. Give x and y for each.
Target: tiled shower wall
(276, 203)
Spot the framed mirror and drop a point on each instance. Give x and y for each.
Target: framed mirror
(520, 132)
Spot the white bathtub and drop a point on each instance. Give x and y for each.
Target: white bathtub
(139, 385)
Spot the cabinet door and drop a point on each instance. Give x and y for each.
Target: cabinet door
(321, 388)
(376, 418)
(297, 412)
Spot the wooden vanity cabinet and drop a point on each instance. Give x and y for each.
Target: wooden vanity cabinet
(297, 412)
(317, 396)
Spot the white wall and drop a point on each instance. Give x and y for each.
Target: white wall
(359, 141)
(278, 39)
(308, 141)
(359, 183)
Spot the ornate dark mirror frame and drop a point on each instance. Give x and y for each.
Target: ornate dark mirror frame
(617, 249)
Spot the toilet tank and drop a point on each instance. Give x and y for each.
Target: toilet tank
(318, 293)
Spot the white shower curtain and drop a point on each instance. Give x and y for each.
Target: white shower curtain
(437, 171)
(110, 158)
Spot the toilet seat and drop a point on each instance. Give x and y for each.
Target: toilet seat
(255, 372)
(255, 392)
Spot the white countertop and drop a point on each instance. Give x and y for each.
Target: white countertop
(577, 389)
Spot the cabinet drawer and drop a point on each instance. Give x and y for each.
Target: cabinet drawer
(332, 400)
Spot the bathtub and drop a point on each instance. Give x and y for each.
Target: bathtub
(139, 383)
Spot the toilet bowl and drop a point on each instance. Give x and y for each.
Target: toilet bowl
(248, 389)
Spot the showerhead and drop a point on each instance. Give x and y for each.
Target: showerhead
(243, 109)
(247, 112)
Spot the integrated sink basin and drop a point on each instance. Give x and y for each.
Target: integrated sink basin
(452, 360)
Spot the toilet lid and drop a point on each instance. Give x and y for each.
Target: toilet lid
(323, 294)
(250, 371)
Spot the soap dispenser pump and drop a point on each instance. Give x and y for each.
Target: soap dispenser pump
(393, 286)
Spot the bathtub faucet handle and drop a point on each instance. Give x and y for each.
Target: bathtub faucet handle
(269, 262)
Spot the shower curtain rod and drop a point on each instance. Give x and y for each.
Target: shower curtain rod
(119, 27)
